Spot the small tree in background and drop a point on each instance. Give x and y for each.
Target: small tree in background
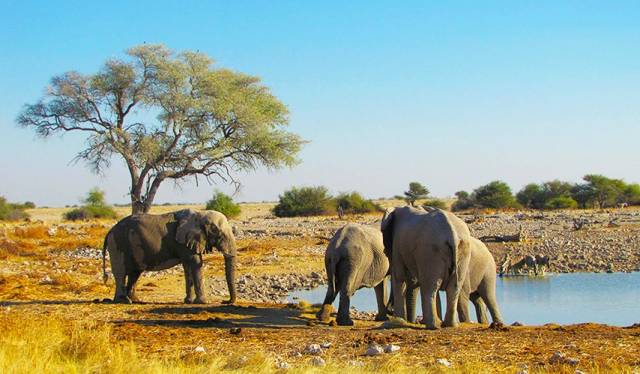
(496, 194)
(531, 196)
(416, 191)
(12, 212)
(561, 202)
(305, 201)
(632, 194)
(436, 203)
(463, 202)
(224, 204)
(354, 203)
(94, 206)
(606, 191)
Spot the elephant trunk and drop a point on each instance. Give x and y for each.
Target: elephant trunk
(230, 274)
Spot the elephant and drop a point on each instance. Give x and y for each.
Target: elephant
(480, 285)
(355, 259)
(147, 242)
(542, 263)
(429, 251)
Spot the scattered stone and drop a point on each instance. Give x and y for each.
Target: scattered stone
(443, 362)
(313, 349)
(200, 349)
(356, 363)
(516, 323)
(374, 350)
(561, 358)
(283, 365)
(390, 348)
(318, 361)
(325, 345)
(235, 330)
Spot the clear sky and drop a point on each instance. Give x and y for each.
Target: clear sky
(451, 94)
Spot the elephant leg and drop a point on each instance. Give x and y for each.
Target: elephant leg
(346, 285)
(451, 315)
(132, 279)
(412, 295)
(188, 283)
(429, 312)
(399, 285)
(381, 299)
(119, 273)
(488, 294)
(463, 307)
(480, 307)
(195, 264)
(325, 312)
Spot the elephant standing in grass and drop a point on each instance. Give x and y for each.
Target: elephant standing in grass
(146, 242)
(354, 259)
(430, 250)
(480, 285)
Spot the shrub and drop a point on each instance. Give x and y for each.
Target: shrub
(304, 201)
(354, 203)
(436, 203)
(561, 202)
(463, 202)
(95, 207)
(11, 212)
(224, 204)
(496, 194)
(416, 191)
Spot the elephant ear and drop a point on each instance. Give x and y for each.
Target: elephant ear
(386, 226)
(188, 224)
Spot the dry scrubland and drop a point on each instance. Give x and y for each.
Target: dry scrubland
(50, 274)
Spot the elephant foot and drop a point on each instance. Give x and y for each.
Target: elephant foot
(450, 324)
(199, 300)
(229, 302)
(122, 300)
(188, 300)
(135, 299)
(324, 314)
(344, 321)
(381, 317)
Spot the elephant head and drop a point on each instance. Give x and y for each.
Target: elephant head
(203, 231)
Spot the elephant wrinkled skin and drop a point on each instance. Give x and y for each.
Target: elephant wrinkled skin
(354, 259)
(429, 250)
(146, 242)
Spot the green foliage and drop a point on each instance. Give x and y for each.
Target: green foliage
(531, 196)
(353, 203)
(536, 196)
(94, 206)
(169, 116)
(224, 204)
(29, 205)
(561, 202)
(416, 191)
(304, 201)
(606, 191)
(436, 203)
(463, 202)
(12, 212)
(632, 194)
(496, 194)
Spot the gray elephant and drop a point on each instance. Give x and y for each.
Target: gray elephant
(429, 250)
(147, 242)
(354, 259)
(480, 285)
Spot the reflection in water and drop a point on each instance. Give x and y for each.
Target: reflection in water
(559, 298)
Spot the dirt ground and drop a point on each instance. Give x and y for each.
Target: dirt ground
(57, 273)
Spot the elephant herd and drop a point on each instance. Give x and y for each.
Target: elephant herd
(424, 251)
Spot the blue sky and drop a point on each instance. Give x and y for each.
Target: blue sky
(451, 94)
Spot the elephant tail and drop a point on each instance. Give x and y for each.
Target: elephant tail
(456, 246)
(105, 276)
(331, 265)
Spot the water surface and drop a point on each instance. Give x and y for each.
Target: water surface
(613, 299)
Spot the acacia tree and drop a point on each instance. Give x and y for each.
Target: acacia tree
(169, 116)
(416, 191)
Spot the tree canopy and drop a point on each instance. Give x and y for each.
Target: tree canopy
(416, 191)
(168, 116)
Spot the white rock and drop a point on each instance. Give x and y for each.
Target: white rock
(313, 349)
(282, 365)
(356, 363)
(444, 362)
(200, 349)
(390, 348)
(318, 361)
(374, 350)
(325, 345)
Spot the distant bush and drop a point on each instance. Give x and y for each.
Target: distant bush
(304, 201)
(354, 203)
(224, 204)
(561, 202)
(29, 205)
(95, 207)
(12, 212)
(436, 203)
(463, 202)
(496, 194)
